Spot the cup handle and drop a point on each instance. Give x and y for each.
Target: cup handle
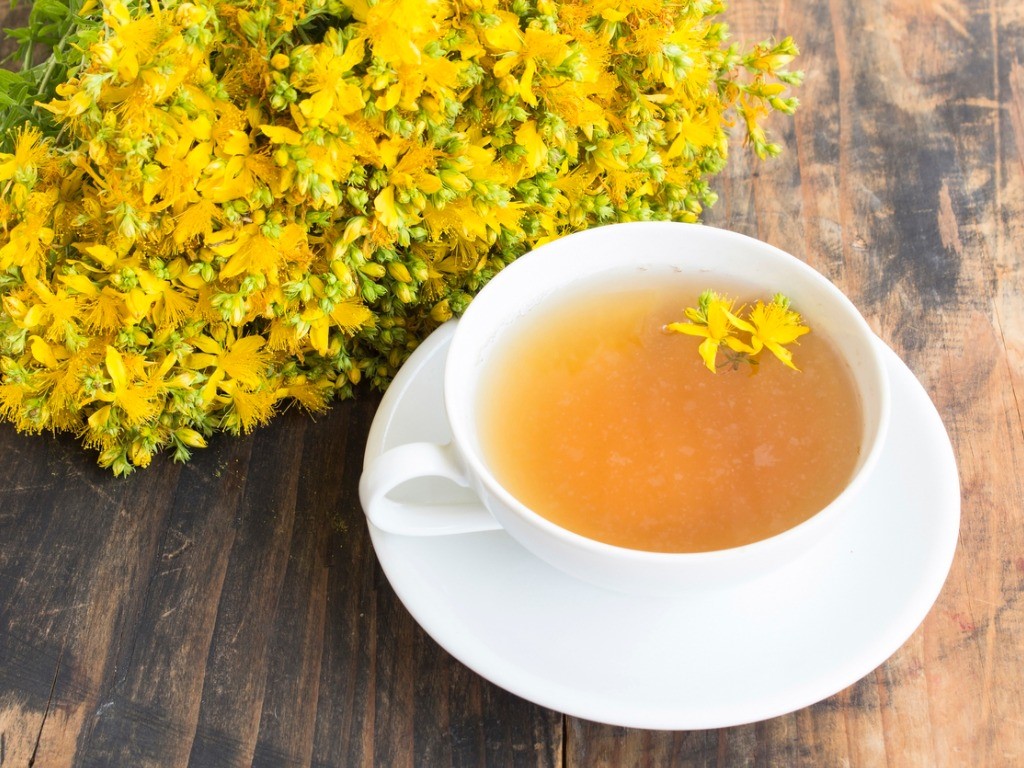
(407, 462)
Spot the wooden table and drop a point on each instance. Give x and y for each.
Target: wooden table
(231, 612)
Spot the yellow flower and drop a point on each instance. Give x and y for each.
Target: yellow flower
(712, 319)
(249, 408)
(536, 46)
(332, 97)
(241, 360)
(536, 151)
(772, 326)
(29, 152)
(135, 401)
(54, 310)
(250, 201)
(27, 243)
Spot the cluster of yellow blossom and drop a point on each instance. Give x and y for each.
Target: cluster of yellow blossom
(257, 201)
(770, 326)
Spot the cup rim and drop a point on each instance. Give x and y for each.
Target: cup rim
(479, 468)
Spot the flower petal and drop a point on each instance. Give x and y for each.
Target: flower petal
(689, 329)
(740, 323)
(738, 346)
(116, 370)
(782, 353)
(709, 351)
(789, 333)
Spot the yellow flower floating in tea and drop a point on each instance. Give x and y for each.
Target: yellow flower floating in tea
(713, 320)
(217, 208)
(769, 326)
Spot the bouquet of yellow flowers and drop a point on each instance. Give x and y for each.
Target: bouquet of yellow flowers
(210, 208)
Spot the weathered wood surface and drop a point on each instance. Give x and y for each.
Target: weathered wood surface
(217, 614)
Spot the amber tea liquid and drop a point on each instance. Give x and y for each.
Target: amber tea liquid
(604, 423)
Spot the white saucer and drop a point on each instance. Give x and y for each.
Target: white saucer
(719, 658)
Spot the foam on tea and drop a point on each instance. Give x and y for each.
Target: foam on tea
(601, 421)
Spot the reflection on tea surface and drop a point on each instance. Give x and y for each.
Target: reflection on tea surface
(606, 424)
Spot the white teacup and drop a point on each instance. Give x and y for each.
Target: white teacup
(536, 280)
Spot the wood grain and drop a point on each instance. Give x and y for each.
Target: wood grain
(226, 613)
(231, 612)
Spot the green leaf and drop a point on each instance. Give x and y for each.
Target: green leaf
(52, 10)
(20, 33)
(10, 80)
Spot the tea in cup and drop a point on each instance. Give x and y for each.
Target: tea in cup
(602, 443)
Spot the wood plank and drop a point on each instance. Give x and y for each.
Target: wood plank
(76, 578)
(347, 698)
(226, 613)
